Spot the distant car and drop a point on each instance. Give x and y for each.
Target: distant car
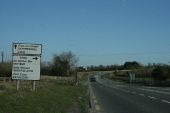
(92, 79)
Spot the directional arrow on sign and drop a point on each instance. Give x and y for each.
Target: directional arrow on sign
(35, 58)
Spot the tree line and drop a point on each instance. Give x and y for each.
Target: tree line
(65, 64)
(159, 72)
(126, 66)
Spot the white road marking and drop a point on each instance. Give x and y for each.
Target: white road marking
(134, 92)
(142, 94)
(154, 90)
(151, 97)
(165, 101)
(128, 91)
(122, 90)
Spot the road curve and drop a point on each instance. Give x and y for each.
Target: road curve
(118, 98)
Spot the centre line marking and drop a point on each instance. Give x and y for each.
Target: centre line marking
(142, 94)
(151, 97)
(134, 92)
(128, 91)
(165, 101)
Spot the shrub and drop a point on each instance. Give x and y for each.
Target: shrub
(161, 73)
(5, 69)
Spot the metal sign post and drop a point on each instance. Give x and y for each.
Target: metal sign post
(26, 62)
(132, 78)
(2, 57)
(33, 85)
(17, 85)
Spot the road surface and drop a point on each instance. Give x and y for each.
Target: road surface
(112, 97)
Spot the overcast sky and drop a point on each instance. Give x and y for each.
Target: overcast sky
(97, 31)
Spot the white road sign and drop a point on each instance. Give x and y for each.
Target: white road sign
(26, 67)
(21, 48)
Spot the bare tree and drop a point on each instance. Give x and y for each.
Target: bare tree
(70, 58)
(63, 63)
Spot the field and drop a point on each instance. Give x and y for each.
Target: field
(49, 97)
(141, 78)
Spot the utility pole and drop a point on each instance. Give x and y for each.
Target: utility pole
(2, 56)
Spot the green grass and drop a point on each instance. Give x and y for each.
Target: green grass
(48, 98)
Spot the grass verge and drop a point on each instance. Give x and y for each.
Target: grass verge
(48, 98)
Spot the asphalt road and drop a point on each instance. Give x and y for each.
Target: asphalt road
(112, 97)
